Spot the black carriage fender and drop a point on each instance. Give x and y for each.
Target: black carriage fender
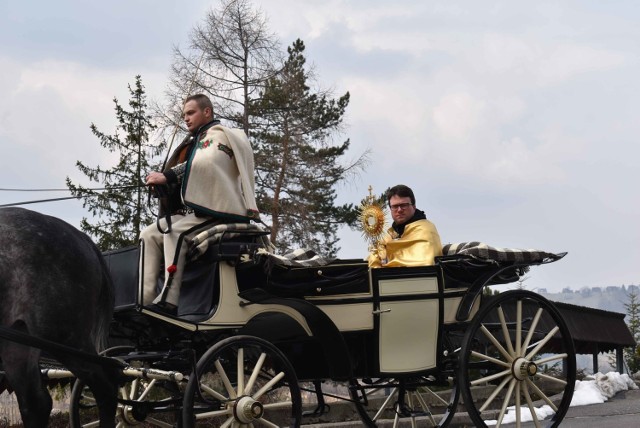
(277, 326)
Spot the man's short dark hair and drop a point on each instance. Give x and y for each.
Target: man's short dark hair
(202, 100)
(401, 191)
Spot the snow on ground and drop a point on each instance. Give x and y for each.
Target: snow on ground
(594, 389)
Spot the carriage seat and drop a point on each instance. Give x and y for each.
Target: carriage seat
(199, 285)
(474, 265)
(303, 273)
(466, 263)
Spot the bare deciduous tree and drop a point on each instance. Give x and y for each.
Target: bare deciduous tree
(231, 55)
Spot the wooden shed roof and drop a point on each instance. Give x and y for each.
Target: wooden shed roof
(595, 330)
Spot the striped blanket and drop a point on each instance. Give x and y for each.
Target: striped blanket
(298, 258)
(303, 257)
(482, 251)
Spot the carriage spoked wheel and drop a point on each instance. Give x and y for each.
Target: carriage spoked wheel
(243, 381)
(159, 401)
(420, 401)
(517, 356)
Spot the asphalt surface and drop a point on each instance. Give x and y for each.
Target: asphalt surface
(621, 411)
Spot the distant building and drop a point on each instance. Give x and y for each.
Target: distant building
(612, 289)
(596, 289)
(567, 290)
(542, 290)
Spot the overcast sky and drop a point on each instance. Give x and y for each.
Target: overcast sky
(514, 122)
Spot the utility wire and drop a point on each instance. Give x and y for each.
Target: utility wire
(13, 204)
(32, 190)
(38, 201)
(5, 189)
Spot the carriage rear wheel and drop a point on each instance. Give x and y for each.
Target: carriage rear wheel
(517, 362)
(149, 403)
(243, 381)
(420, 400)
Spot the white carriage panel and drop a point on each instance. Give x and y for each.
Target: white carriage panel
(408, 335)
(402, 286)
(451, 305)
(352, 317)
(232, 313)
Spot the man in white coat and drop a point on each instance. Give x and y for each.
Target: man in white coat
(212, 175)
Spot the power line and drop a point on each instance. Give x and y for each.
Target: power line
(35, 202)
(13, 204)
(32, 190)
(6, 189)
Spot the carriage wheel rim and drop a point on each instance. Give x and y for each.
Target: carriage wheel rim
(516, 368)
(242, 373)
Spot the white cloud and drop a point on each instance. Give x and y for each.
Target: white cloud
(49, 105)
(565, 61)
(457, 116)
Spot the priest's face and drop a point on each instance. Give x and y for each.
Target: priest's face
(401, 209)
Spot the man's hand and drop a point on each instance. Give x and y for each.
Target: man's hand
(156, 178)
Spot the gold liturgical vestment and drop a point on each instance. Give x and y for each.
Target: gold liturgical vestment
(418, 246)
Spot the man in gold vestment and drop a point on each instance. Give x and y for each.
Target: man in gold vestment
(412, 240)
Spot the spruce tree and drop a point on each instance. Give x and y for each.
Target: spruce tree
(119, 205)
(633, 322)
(298, 166)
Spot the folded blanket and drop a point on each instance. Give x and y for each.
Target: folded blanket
(301, 257)
(482, 251)
(198, 244)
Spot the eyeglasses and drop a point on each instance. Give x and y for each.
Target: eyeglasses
(400, 207)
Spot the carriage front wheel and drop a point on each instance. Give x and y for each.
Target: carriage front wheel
(141, 402)
(243, 381)
(517, 362)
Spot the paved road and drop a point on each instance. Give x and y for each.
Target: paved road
(621, 411)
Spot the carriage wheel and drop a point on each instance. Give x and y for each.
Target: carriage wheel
(83, 410)
(243, 381)
(517, 355)
(418, 400)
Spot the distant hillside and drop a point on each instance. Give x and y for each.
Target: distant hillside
(606, 298)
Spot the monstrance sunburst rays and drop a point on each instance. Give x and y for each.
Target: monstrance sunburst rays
(372, 219)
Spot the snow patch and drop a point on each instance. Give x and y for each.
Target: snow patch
(594, 389)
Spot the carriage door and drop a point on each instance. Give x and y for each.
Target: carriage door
(408, 318)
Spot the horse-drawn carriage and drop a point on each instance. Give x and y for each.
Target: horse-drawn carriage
(262, 340)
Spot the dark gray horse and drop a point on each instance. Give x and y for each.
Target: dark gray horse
(54, 285)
